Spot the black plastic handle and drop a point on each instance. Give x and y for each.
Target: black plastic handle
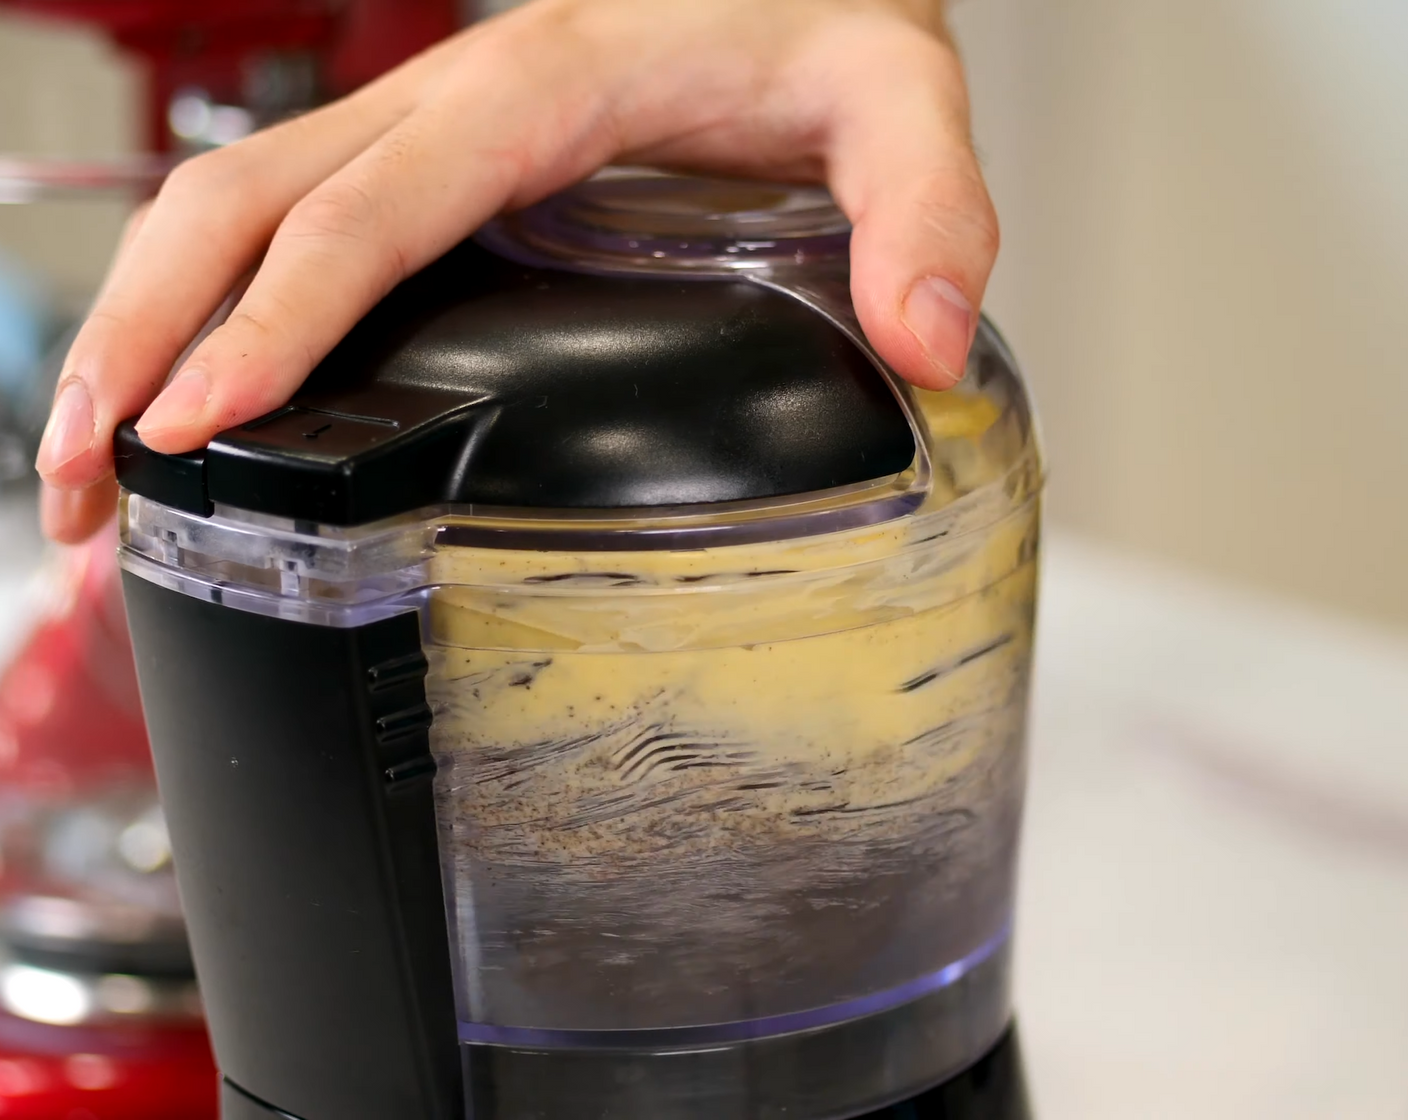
(295, 770)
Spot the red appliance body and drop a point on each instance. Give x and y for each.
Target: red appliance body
(211, 44)
(70, 718)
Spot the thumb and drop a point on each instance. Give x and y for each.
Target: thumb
(925, 237)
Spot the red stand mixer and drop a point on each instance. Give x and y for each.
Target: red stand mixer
(99, 1014)
(220, 46)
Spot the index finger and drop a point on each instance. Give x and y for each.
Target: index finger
(208, 225)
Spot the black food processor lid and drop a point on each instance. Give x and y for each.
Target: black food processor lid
(607, 349)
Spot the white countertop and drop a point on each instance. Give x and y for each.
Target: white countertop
(1214, 912)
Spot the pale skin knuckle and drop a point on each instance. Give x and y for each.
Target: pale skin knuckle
(990, 234)
(212, 200)
(983, 230)
(336, 211)
(196, 181)
(897, 60)
(881, 39)
(395, 150)
(257, 337)
(104, 328)
(933, 70)
(977, 237)
(346, 221)
(244, 321)
(254, 335)
(105, 320)
(954, 203)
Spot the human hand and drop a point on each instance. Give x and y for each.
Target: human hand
(331, 210)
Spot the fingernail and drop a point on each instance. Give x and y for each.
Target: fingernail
(180, 404)
(69, 432)
(939, 315)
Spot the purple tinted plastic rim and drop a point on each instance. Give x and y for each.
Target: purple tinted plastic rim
(751, 253)
(746, 1030)
(880, 510)
(548, 234)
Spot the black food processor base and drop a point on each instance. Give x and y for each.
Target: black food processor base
(234, 1105)
(993, 1089)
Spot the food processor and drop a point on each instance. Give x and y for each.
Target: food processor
(601, 691)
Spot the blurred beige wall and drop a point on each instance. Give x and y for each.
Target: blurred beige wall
(63, 92)
(1206, 273)
(1206, 265)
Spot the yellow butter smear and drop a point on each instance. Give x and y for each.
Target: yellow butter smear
(694, 787)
